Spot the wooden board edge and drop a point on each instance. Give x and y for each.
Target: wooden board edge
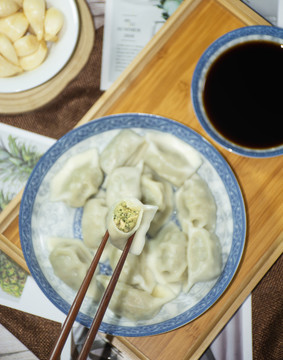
(243, 12)
(124, 347)
(11, 211)
(261, 268)
(13, 252)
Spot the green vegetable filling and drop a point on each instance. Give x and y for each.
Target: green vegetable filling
(125, 217)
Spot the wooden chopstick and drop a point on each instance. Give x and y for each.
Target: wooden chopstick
(67, 326)
(104, 302)
(74, 309)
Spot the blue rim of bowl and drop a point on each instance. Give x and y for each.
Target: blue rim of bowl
(217, 47)
(151, 122)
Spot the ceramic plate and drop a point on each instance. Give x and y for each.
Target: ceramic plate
(39, 219)
(249, 33)
(58, 55)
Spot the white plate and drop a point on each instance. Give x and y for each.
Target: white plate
(58, 55)
(40, 219)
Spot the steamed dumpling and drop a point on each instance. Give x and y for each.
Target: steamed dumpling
(136, 304)
(171, 158)
(120, 149)
(157, 192)
(196, 204)
(127, 217)
(94, 222)
(78, 179)
(166, 255)
(70, 260)
(204, 256)
(134, 273)
(123, 182)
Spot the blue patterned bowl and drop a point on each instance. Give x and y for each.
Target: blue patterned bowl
(243, 95)
(39, 218)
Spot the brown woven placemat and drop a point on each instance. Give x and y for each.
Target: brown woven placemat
(38, 334)
(60, 115)
(267, 315)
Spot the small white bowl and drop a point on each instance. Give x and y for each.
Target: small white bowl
(58, 55)
(247, 141)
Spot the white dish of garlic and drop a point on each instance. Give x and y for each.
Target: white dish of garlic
(37, 39)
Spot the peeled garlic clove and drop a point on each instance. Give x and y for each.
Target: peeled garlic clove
(19, 2)
(8, 69)
(14, 26)
(35, 13)
(53, 24)
(7, 49)
(32, 61)
(26, 45)
(8, 7)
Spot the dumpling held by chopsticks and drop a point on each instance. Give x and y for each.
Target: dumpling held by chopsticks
(127, 217)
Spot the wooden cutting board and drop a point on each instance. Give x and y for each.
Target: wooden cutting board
(158, 82)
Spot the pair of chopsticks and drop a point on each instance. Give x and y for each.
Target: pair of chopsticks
(66, 328)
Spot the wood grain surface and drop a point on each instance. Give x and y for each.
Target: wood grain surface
(158, 82)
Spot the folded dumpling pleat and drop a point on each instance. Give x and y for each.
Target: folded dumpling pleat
(94, 222)
(204, 256)
(120, 149)
(70, 260)
(171, 158)
(136, 304)
(123, 182)
(134, 273)
(195, 203)
(158, 192)
(78, 179)
(166, 255)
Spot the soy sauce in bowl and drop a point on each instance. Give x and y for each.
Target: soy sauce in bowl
(242, 94)
(237, 91)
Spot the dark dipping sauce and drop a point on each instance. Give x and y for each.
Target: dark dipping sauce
(243, 94)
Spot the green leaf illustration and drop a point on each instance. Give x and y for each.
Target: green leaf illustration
(12, 276)
(17, 160)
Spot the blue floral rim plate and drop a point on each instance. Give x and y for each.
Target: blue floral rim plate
(39, 217)
(257, 32)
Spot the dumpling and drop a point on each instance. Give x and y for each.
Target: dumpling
(78, 179)
(204, 256)
(136, 304)
(120, 149)
(94, 222)
(127, 217)
(123, 182)
(195, 204)
(166, 255)
(133, 273)
(159, 193)
(70, 260)
(171, 158)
